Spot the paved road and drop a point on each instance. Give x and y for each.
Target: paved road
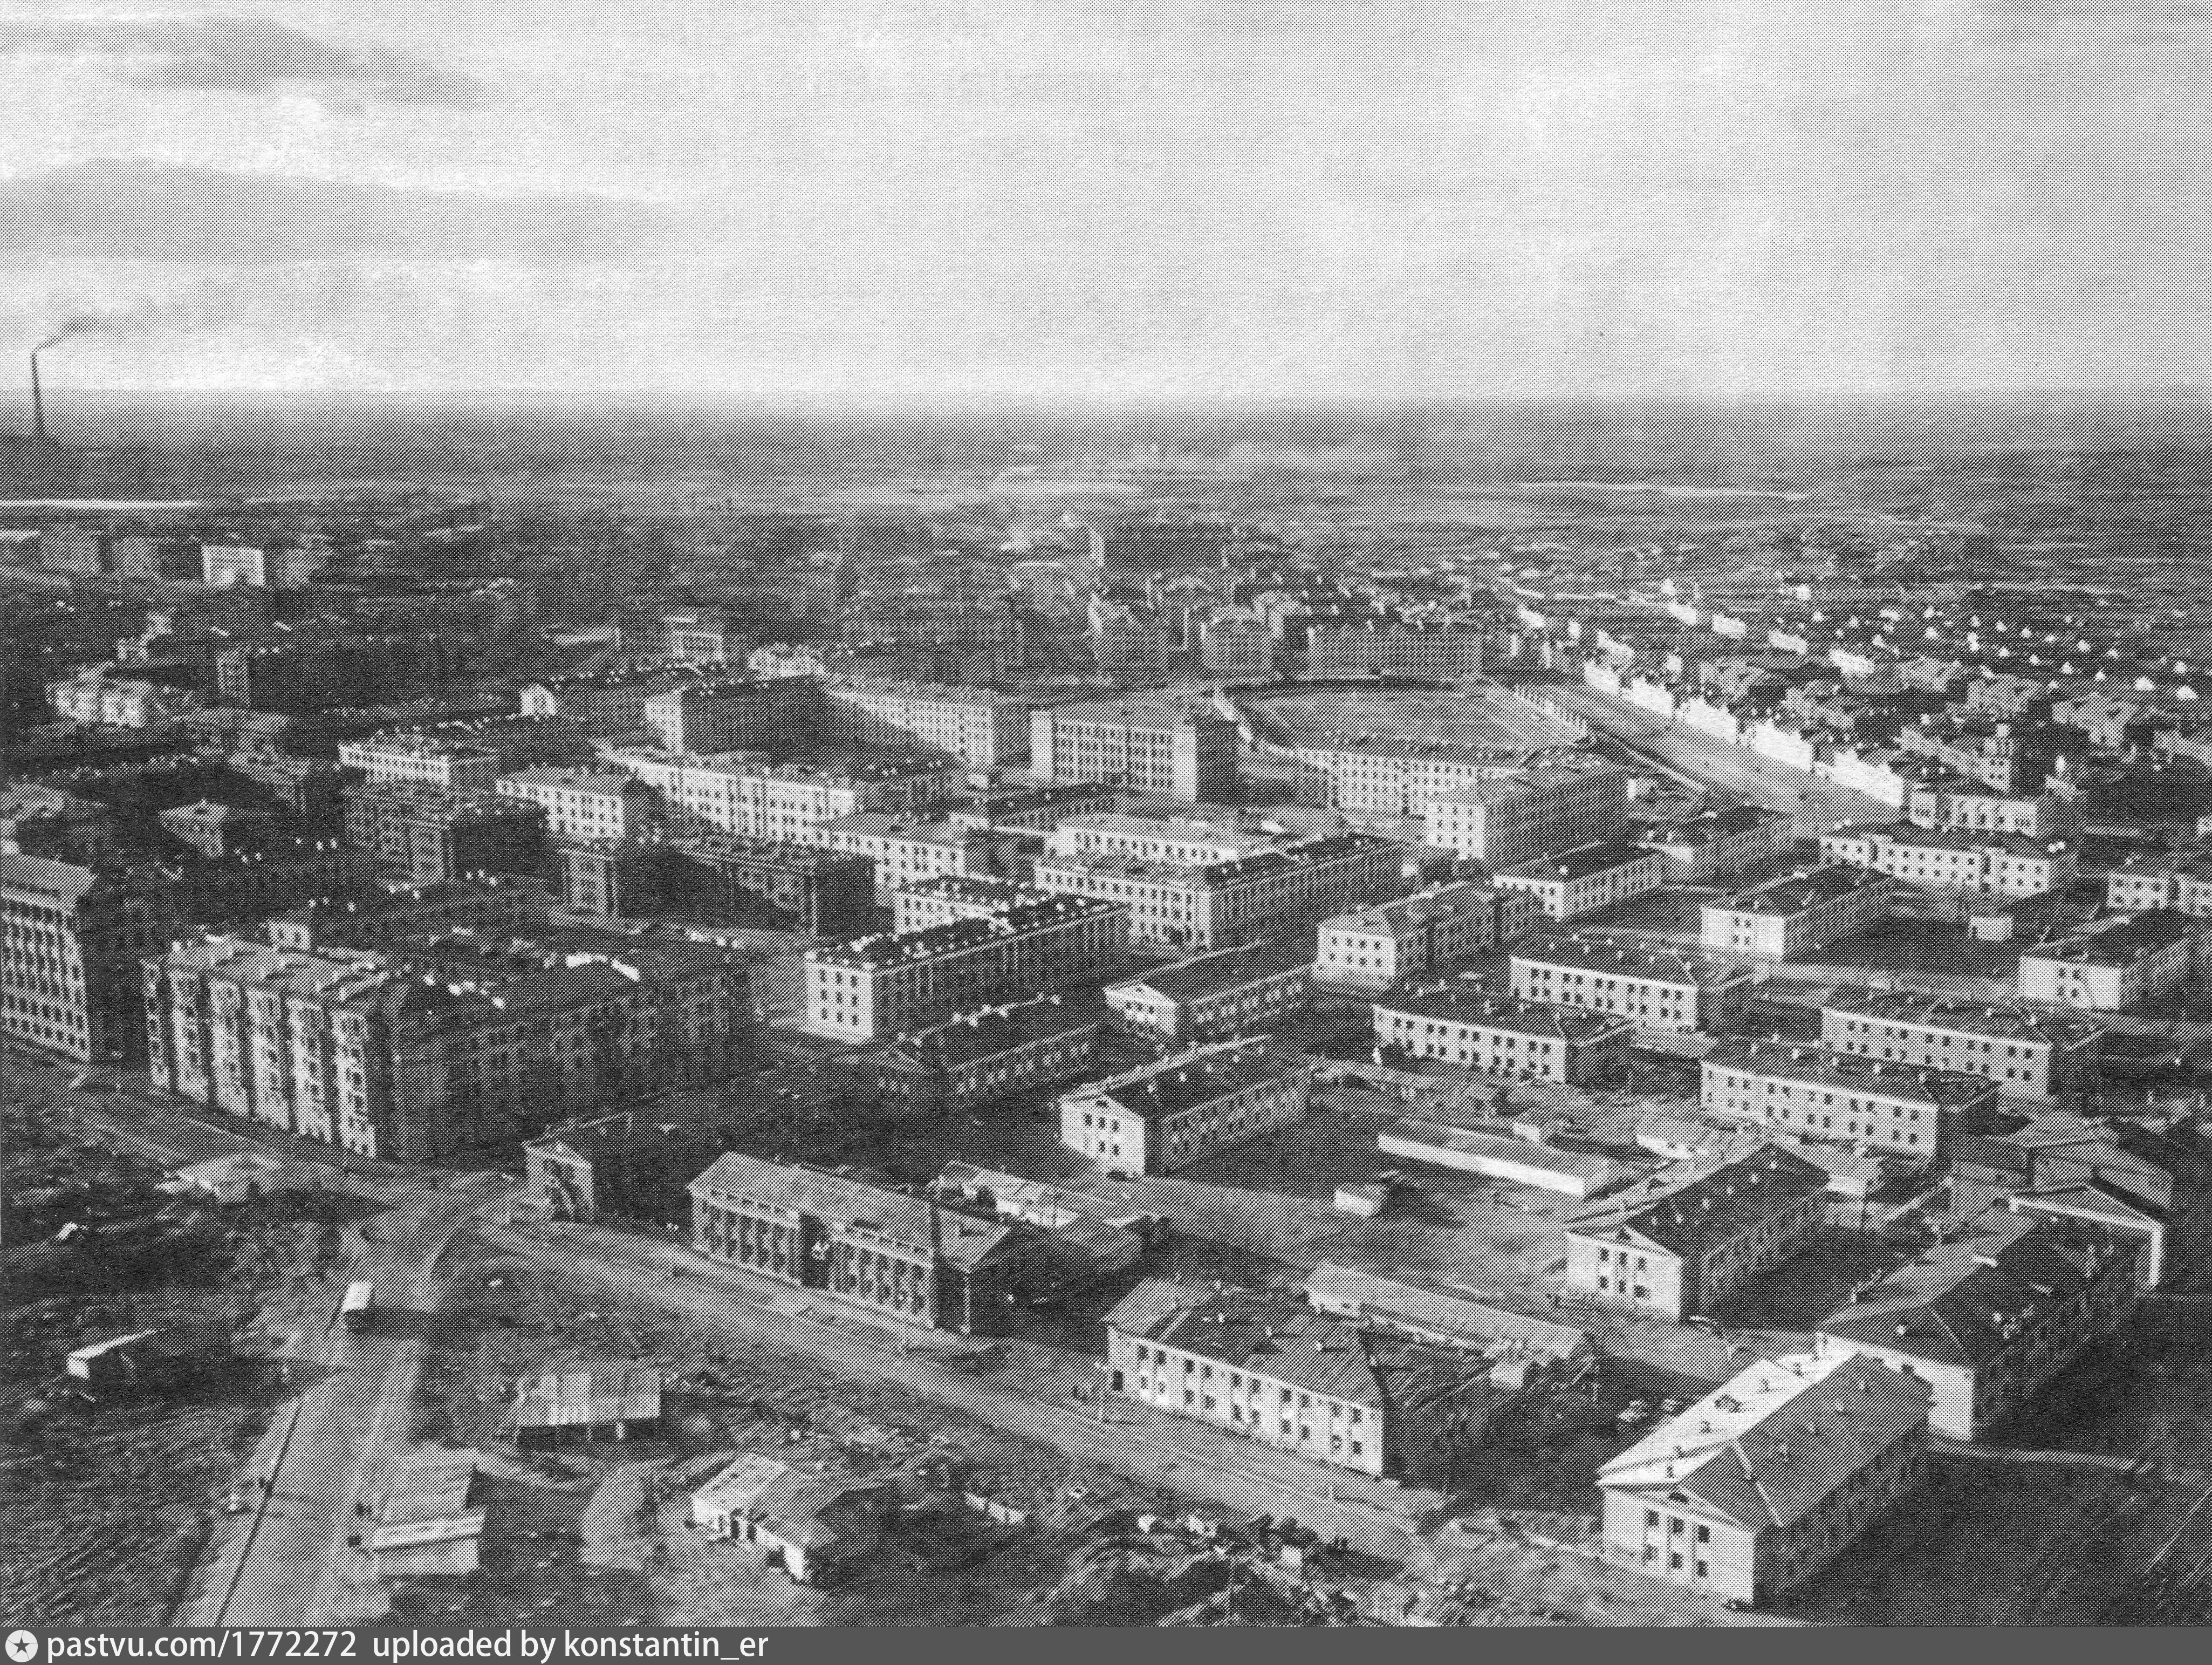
(1027, 1396)
(288, 1562)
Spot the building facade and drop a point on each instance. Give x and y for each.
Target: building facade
(1186, 751)
(1977, 864)
(1522, 818)
(429, 835)
(1899, 1111)
(1225, 904)
(1373, 948)
(2027, 1052)
(1587, 878)
(1518, 1038)
(1165, 1116)
(1652, 987)
(2123, 966)
(1795, 914)
(1237, 991)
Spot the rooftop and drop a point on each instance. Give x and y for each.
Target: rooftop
(2134, 938)
(1629, 956)
(1766, 1447)
(1583, 862)
(1526, 783)
(850, 1204)
(1801, 1061)
(1212, 973)
(1188, 1080)
(1711, 825)
(1595, 1172)
(1681, 1217)
(1942, 837)
(2002, 1022)
(1139, 713)
(1462, 1003)
(900, 947)
(1411, 913)
(992, 1030)
(1797, 892)
(1493, 1329)
(1249, 869)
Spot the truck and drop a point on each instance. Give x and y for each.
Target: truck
(360, 1300)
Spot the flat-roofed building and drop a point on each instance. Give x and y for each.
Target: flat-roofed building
(1815, 1093)
(708, 717)
(1499, 1150)
(1520, 1038)
(2029, 1052)
(1583, 880)
(1719, 844)
(1272, 1369)
(465, 756)
(889, 985)
(1224, 904)
(1441, 652)
(1237, 991)
(70, 938)
(1989, 1316)
(746, 794)
(1011, 807)
(1164, 1116)
(906, 852)
(609, 703)
(378, 914)
(1373, 948)
(1760, 1485)
(900, 1256)
(982, 727)
(1236, 646)
(2123, 965)
(1373, 775)
(1975, 864)
(1182, 750)
(1796, 914)
(1521, 817)
(430, 834)
(1678, 1250)
(582, 803)
(1654, 986)
(1182, 841)
(952, 896)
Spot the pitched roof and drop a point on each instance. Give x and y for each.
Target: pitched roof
(1717, 1204)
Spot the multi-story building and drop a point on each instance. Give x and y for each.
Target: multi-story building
(428, 834)
(586, 804)
(1988, 1316)
(1027, 808)
(1719, 844)
(981, 1056)
(2029, 1053)
(264, 567)
(1180, 750)
(1795, 914)
(378, 914)
(983, 729)
(1953, 802)
(952, 896)
(1372, 775)
(700, 639)
(36, 819)
(1272, 1369)
(1680, 1249)
(891, 985)
(1652, 986)
(1223, 904)
(715, 878)
(413, 1059)
(307, 789)
(745, 794)
(309, 672)
(277, 875)
(1126, 641)
(1504, 821)
(1978, 864)
(1438, 652)
(905, 852)
(1587, 878)
(465, 756)
(1237, 991)
(1236, 646)
(1757, 1486)
(1164, 1116)
(2181, 880)
(708, 716)
(1179, 840)
(2147, 1180)
(609, 703)
(900, 1256)
(97, 695)
(1373, 948)
(2125, 964)
(1896, 1110)
(1500, 1037)
(69, 956)
(951, 635)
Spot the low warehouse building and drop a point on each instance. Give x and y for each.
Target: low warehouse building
(815, 1527)
(1503, 1156)
(424, 1523)
(617, 1401)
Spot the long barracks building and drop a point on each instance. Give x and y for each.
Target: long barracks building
(1814, 1093)
(1653, 987)
(2028, 1051)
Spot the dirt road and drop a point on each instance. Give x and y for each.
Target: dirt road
(287, 1563)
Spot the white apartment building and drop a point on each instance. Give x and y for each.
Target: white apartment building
(1512, 819)
(983, 729)
(1650, 985)
(1373, 948)
(1814, 1092)
(2136, 960)
(1182, 750)
(1223, 904)
(745, 794)
(2029, 1052)
(583, 804)
(1184, 1109)
(907, 852)
(1795, 914)
(1516, 1038)
(1719, 844)
(1973, 863)
(1584, 879)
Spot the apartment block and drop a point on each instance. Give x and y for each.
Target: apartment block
(1182, 840)
(1224, 904)
(2123, 965)
(715, 878)
(905, 853)
(1438, 653)
(2181, 880)
(585, 804)
(746, 794)
(1180, 750)
(1371, 775)
(1165, 1116)
(1506, 821)
(411, 1058)
(1811, 1092)
(1498, 1037)
(981, 1056)
(952, 896)
(903, 1257)
(1587, 878)
(1975, 864)
(1237, 991)
(1953, 802)
(608, 704)
(2028, 1052)
(429, 834)
(71, 938)
(465, 756)
(1680, 1249)
(1651, 985)
(1020, 808)
(1272, 1369)
(1760, 1485)
(985, 730)
(98, 695)
(736, 714)
(1719, 844)
(1796, 914)
(1236, 646)
(891, 984)
(1373, 948)
(1989, 1316)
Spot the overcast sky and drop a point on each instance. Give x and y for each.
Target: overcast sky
(1138, 198)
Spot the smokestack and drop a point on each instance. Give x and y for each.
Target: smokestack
(38, 404)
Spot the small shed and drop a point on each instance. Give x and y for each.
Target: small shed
(149, 1358)
(238, 1178)
(815, 1527)
(1366, 1201)
(611, 1400)
(424, 1524)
